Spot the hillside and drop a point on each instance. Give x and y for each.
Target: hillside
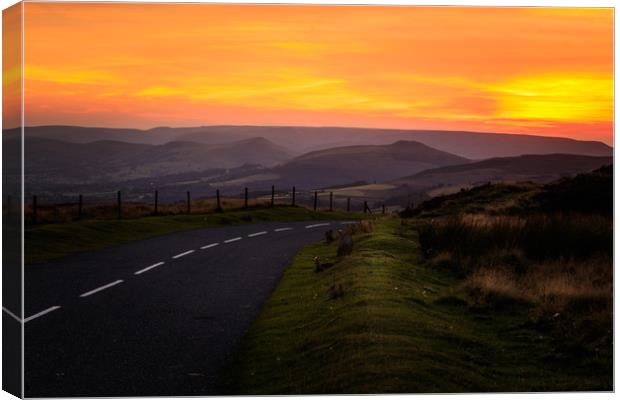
(537, 168)
(590, 192)
(344, 165)
(49, 160)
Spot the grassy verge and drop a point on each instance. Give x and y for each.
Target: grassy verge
(48, 241)
(401, 325)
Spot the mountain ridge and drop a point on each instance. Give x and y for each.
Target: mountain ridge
(300, 139)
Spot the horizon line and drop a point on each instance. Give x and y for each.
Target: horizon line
(314, 127)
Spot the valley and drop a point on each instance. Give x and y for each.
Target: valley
(378, 165)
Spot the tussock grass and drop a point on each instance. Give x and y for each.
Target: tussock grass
(365, 226)
(469, 237)
(553, 285)
(542, 259)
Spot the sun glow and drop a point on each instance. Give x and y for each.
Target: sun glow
(520, 70)
(558, 98)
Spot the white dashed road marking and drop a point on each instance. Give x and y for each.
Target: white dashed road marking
(257, 234)
(149, 267)
(109, 285)
(183, 254)
(40, 314)
(100, 288)
(317, 225)
(6, 310)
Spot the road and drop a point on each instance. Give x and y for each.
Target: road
(154, 317)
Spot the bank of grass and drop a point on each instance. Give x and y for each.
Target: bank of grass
(48, 241)
(401, 325)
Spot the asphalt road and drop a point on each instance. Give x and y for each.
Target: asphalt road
(118, 322)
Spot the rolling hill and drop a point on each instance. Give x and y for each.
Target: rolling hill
(299, 140)
(108, 160)
(345, 165)
(472, 145)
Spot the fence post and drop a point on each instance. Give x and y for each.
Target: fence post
(293, 196)
(348, 204)
(8, 204)
(273, 192)
(34, 209)
(118, 204)
(217, 195)
(245, 205)
(156, 200)
(365, 207)
(383, 209)
(316, 200)
(80, 207)
(331, 201)
(189, 203)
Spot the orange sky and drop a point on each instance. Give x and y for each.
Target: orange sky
(546, 71)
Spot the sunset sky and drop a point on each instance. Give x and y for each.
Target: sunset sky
(521, 70)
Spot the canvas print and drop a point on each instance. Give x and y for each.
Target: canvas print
(227, 199)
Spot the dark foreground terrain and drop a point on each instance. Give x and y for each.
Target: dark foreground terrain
(498, 288)
(501, 288)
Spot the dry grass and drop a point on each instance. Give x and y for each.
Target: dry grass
(366, 226)
(553, 286)
(551, 261)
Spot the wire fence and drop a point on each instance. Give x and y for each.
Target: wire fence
(84, 207)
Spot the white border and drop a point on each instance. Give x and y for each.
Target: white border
(502, 3)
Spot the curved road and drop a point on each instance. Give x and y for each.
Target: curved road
(155, 317)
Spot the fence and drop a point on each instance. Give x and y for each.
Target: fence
(36, 212)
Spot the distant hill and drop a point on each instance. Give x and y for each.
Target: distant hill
(478, 145)
(472, 145)
(78, 134)
(345, 165)
(109, 160)
(300, 140)
(536, 168)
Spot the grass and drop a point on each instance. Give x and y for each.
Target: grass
(402, 325)
(45, 242)
(472, 237)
